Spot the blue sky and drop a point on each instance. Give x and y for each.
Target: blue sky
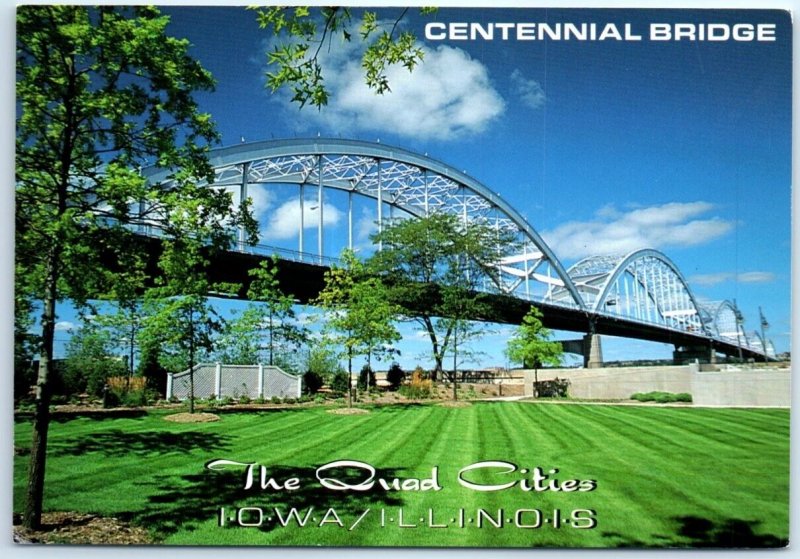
(603, 146)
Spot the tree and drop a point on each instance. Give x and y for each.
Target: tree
(101, 92)
(90, 360)
(124, 326)
(360, 315)
(304, 32)
(531, 345)
(432, 267)
(395, 376)
(366, 378)
(271, 313)
(183, 327)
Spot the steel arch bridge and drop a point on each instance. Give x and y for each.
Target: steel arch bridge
(644, 287)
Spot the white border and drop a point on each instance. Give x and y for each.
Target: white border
(7, 134)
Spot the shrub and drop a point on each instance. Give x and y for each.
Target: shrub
(366, 378)
(276, 400)
(662, 397)
(226, 401)
(556, 388)
(418, 388)
(244, 399)
(340, 383)
(395, 376)
(259, 400)
(312, 382)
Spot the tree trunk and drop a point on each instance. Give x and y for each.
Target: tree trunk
(437, 356)
(191, 363)
(349, 377)
(41, 420)
(455, 366)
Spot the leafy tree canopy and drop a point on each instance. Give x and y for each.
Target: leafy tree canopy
(304, 31)
(531, 345)
(434, 268)
(102, 92)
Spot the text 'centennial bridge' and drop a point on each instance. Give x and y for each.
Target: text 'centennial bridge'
(323, 191)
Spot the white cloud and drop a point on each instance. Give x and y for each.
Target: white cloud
(756, 277)
(614, 232)
(721, 277)
(529, 91)
(261, 199)
(284, 221)
(449, 95)
(65, 326)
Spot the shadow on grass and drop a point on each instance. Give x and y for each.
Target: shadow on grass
(729, 533)
(181, 503)
(117, 442)
(698, 532)
(98, 415)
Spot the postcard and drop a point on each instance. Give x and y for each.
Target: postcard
(376, 276)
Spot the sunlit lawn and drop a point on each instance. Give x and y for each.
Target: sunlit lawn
(664, 476)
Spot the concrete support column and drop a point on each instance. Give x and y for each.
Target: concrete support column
(169, 385)
(260, 380)
(218, 381)
(592, 352)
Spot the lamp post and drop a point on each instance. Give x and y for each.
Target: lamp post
(764, 326)
(739, 322)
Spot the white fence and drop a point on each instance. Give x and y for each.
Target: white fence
(219, 380)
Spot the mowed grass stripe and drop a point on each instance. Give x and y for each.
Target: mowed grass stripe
(432, 440)
(646, 476)
(644, 484)
(658, 429)
(719, 472)
(622, 500)
(760, 424)
(774, 426)
(381, 456)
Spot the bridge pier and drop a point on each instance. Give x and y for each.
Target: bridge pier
(592, 351)
(689, 354)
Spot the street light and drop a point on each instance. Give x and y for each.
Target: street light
(764, 326)
(739, 322)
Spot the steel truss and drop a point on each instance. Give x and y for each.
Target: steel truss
(643, 286)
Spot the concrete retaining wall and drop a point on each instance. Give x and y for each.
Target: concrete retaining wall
(742, 388)
(756, 387)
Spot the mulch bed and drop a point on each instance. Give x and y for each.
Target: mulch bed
(457, 404)
(82, 529)
(348, 411)
(198, 417)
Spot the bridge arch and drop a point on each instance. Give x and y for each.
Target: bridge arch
(415, 184)
(643, 285)
(723, 321)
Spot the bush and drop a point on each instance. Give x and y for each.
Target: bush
(662, 397)
(419, 387)
(312, 382)
(340, 383)
(244, 399)
(395, 376)
(366, 378)
(556, 388)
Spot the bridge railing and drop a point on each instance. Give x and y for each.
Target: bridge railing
(255, 249)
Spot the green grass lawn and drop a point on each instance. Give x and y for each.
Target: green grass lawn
(664, 476)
